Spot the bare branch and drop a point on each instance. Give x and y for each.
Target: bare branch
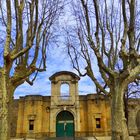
(9, 24)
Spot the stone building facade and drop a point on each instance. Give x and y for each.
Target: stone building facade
(67, 113)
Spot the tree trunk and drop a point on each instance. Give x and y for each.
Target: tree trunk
(5, 100)
(119, 125)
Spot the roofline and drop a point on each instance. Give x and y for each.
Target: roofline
(64, 72)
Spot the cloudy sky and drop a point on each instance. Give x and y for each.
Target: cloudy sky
(57, 61)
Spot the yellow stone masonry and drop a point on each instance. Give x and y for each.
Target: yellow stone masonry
(44, 116)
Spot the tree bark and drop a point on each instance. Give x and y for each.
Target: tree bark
(5, 99)
(119, 124)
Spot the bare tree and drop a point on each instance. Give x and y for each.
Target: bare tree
(26, 28)
(106, 35)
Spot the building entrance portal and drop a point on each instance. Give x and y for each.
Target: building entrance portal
(64, 124)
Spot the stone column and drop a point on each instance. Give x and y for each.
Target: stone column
(52, 122)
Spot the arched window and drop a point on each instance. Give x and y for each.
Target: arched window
(64, 91)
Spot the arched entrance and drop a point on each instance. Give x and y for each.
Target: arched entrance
(64, 124)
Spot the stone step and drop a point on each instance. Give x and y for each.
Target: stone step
(69, 138)
(64, 138)
(58, 138)
(79, 138)
(61, 138)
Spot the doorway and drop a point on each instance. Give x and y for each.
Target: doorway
(65, 124)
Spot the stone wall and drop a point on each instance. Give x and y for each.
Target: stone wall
(36, 108)
(133, 108)
(94, 107)
(90, 107)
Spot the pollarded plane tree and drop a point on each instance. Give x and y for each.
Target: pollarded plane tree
(26, 28)
(104, 38)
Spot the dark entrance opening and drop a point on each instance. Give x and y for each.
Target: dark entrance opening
(65, 124)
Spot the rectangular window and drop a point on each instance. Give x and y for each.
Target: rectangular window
(98, 123)
(31, 124)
